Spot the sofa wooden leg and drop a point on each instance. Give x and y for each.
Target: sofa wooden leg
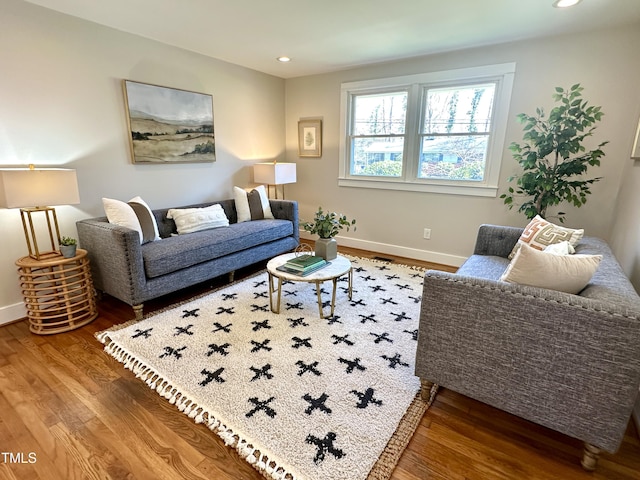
(590, 457)
(232, 276)
(137, 310)
(427, 391)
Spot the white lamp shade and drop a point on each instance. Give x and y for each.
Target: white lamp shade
(274, 173)
(23, 187)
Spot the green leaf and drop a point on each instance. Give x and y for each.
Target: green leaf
(553, 157)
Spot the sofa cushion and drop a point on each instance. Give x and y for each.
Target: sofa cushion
(540, 233)
(488, 267)
(565, 273)
(182, 251)
(609, 283)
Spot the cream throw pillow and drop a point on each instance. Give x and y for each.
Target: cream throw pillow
(147, 220)
(189, 220)
(121, 213)
(135, 215)
(540, 233)
(253, 204)
(562, 248)
(565, 273)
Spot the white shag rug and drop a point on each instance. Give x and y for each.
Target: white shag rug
(297, 396)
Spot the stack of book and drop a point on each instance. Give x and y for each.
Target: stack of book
(304, 264)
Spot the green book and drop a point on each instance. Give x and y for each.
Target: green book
(308, 268)
(304, 261)
(302, 273)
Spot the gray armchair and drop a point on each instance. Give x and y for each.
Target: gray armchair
(568, 362)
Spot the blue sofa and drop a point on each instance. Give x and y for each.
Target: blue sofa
(135, 273)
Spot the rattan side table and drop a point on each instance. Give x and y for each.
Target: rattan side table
(58, 293)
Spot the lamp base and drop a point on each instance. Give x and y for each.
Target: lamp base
(30, 232)
(275, 189)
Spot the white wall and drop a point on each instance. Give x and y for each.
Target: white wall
(62, 104)
(604, 62)
(626, 229)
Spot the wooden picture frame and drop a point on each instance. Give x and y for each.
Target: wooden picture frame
(635, 151)
(310, 138)
(168, 125)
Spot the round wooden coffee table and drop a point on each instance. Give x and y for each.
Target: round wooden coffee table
(333, 271)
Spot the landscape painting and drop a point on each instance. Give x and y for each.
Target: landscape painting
(168, 125)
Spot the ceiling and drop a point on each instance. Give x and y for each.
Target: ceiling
(328, 35)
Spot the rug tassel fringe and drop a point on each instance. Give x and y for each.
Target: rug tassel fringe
(154, 381)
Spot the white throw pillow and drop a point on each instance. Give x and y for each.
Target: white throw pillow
(562, 248)
(565, 273)
(253, 204)
(147, 220)
(134, 214)
(540, 233)
(121, 213)
(189, 220)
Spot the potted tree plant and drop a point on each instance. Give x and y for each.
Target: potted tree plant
(327, 225)
(553, 157)
(68, 247)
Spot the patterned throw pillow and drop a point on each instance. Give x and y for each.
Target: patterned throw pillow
(540, 233)
(135, 214)
(146, 218)
(253, 204)
(189, 220)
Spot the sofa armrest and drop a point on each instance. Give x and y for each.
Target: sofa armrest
(115, 257)
(563, 361)
(497, 240)
(287, 210)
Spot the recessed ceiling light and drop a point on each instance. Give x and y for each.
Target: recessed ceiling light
(565, 3)
(284, 59)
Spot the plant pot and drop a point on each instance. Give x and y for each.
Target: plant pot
(327, 248)
(68, 251)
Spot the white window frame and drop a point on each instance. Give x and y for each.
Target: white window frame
(502, 75)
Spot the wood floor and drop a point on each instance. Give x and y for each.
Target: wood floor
(69, 411)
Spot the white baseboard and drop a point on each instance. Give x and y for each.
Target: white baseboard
(424, 255)
(11, 313)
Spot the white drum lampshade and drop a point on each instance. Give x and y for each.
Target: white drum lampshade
(274, 174)
(35, 190)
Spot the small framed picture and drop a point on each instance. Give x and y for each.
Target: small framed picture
(310, 138)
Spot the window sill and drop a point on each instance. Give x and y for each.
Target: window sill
(480, 190)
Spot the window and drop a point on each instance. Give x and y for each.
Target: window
(441, 132)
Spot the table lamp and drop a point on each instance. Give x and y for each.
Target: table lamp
(275, 174)
(30, 189)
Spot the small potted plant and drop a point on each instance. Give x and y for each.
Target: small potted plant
(327, 225)
(68, 247)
